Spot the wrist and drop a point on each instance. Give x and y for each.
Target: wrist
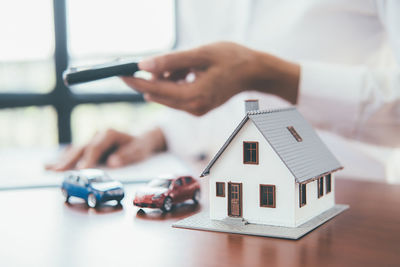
(273, 75)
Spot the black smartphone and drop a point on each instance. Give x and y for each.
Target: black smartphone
(96, 72)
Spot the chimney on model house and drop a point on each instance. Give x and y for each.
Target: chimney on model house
(251, 105)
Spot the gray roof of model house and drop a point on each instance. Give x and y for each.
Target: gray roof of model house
(306, 160)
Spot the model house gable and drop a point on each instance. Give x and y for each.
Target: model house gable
(261, 193)
(249, 154)
(292, 138)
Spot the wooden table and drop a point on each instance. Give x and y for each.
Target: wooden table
(39, 229)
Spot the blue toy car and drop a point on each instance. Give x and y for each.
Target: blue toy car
(93, 185)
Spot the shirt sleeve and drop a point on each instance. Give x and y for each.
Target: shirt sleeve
(357, 101)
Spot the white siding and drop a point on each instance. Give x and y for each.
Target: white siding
(314, 204)
(270, 170)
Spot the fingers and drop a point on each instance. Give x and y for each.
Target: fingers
(189, 97)
(89, 156)
(177, 75)
(169, 89)
(126, 154)
(172, 103)
(175, 61)
(101, 144)
(68, 161)
(197, 106)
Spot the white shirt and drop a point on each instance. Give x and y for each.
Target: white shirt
(349, 52)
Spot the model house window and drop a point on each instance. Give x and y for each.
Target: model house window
(250, 152)
(267, 196)
(302, 194)
(295, 134)
(328, 183)
(220, 189)
(320, 187)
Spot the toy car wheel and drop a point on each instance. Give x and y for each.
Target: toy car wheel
(196, 196)
(167, 205)
(92, 201)
(65, 194)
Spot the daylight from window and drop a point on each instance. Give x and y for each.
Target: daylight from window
(97, 31)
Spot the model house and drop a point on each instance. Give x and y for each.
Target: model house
(273, 170)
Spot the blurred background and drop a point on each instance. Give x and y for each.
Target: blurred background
(40, 39)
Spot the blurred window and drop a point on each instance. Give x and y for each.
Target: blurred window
(102, 30)
(26, 46)
(28, 127)
(40, 37)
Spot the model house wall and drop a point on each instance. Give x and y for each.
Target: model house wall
(269, 170)
(314, 204)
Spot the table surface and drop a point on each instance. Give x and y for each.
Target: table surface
(39, 229)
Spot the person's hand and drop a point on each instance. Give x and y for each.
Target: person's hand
(111, 147)
(221, 70)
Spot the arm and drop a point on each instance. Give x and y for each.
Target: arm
(222, 70)
(355, 101)
(358, 101)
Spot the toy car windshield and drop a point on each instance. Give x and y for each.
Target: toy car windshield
(165, 183)
(99, 179)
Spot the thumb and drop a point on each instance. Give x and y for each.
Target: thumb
(172, 62)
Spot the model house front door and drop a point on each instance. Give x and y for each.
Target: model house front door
(235, 199)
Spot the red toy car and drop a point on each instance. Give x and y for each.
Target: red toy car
(165, 193)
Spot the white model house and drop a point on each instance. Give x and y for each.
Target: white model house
(273, 170)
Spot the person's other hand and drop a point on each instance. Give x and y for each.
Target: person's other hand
(221, 70)
(111, 147)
